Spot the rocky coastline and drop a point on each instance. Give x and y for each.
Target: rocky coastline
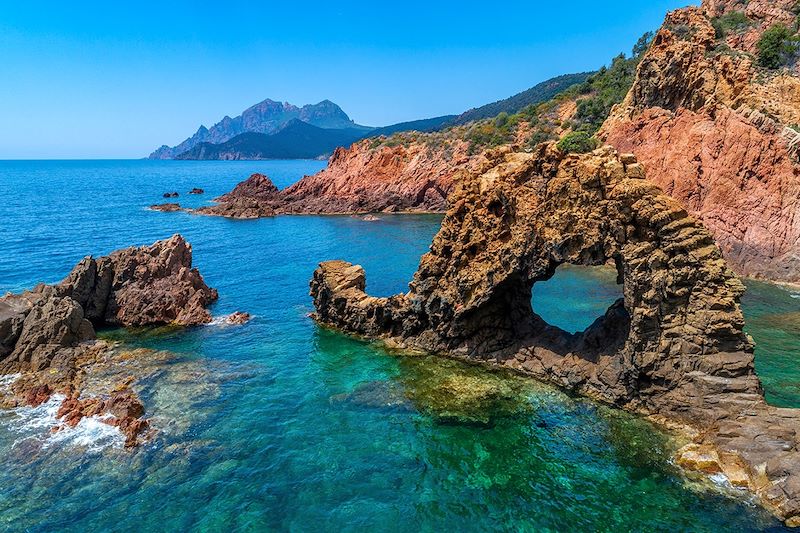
(47, 335)
(711, 127)
(673, 348)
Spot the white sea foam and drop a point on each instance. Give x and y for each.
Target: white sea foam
(223, 320)
(7, 380)
(795, 295)
(90, 433)
(720, 480)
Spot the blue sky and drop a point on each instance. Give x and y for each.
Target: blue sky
(117, 79)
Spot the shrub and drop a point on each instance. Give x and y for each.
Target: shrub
(735, 21)
(776, 47)
(682, 31)
(578, 142)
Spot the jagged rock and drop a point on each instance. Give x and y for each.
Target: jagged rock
(252, 198)
(166, 208)
(142, 286)
(123, 405)
(359, 179)
(362, 179)
(713, 131)
(256, 186)
(673, 347)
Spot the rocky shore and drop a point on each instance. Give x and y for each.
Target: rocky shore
(673, 348)
(47, 335)
(358, 180)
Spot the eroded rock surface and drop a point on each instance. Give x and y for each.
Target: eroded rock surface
(47, 334)
(673, 347)
(714, 131)
(359, 179)
(142, 286)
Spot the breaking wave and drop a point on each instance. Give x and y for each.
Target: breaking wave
(90, 433)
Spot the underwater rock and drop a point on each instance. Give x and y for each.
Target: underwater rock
(673, 347)
(376, 395)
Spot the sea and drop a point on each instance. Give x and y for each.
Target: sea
(281, 425)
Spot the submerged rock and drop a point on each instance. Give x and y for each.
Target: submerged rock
(673, 348)
(166, 208)
(238, 318)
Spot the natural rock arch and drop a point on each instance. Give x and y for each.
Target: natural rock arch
(675, 347)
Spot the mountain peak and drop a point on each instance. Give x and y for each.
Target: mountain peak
(267, 117)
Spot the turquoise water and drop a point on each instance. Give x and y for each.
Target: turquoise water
(280, 425)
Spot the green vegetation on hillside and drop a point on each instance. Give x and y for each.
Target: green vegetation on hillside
(735, 21)
(537, 94)
(578, 142)
(594, 96)
(777, 47)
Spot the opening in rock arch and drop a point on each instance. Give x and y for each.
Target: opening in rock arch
(576, 296)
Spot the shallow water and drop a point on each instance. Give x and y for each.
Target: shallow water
(282, 425)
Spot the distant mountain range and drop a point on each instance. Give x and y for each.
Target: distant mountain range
(267, 117)
(296, 140)
(275, 130)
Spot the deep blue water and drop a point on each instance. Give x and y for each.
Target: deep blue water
(280, 425)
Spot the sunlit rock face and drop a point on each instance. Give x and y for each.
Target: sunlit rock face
(673, 347)
(715, 130)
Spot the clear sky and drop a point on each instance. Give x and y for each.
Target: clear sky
(117, 79)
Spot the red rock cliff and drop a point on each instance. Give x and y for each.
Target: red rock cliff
(711, 127)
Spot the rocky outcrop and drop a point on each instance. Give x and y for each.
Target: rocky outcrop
(360, 179)
(712, 129)
(672, 348)
(253, 198)
(387, 178)
(238, 318)
(47, 335)
(141, 286)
